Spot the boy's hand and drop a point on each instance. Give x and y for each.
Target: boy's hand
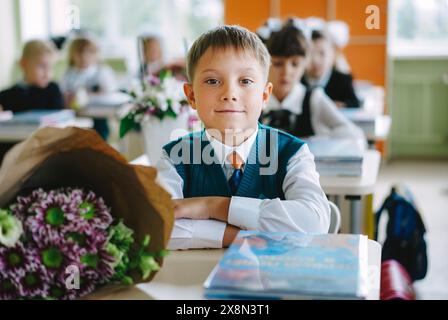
(202, 208)
(229, 235)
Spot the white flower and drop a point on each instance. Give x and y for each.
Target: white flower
(176, 106)
(161, 101)
(11, 229)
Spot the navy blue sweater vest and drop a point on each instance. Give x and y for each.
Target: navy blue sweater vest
(264, 171)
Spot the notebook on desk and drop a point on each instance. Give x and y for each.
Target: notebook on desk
(291, 266)
(38, 118)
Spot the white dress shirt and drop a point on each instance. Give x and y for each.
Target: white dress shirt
(95, 75)
(326, 119)
(305, 209)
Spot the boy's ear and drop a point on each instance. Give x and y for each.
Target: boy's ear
(267, 93)
(189, 93)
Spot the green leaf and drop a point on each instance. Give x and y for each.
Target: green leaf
(147, 265)
(145, 241)
(127, 124)
(164, 253)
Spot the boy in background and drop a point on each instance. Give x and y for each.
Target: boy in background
(36, 90)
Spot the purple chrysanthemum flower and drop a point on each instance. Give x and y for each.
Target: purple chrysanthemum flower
(63, 228)
(15, 261)
(67, 211)
(34, 283)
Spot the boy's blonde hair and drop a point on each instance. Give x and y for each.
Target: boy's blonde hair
(36, 48)
(78, 45)
(223, 37)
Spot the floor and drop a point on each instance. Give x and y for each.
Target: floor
(428, 182)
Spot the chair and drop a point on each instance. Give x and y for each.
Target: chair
(335, 218)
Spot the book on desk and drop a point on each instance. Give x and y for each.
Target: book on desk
(337, 157)
(38, 118)
(363, 119)
(262, 265)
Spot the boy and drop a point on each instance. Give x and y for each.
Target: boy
(237, 174)
(36, 91)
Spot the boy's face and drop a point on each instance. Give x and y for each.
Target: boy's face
(229, 90)
(285, 72)
(322, 58)
(38, 71)
(85, 58)
(153, 51)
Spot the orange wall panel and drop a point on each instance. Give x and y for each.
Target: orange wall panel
(303, 8)
(247, 13)
(366, 56)
(368, 62)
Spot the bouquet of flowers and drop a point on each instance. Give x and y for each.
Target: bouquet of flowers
(160, 96)
(63, 243)
(77, 216)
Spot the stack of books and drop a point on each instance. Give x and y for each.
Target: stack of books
(278, 265)
(363, 119)
(337, 157)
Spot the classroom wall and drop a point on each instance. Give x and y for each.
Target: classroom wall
(366, 51)
(8, 40)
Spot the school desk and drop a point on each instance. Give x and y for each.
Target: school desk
(184, 272)
(353, 188)
(9, 134)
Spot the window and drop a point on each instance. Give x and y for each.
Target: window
(418, 27)
(118, 23)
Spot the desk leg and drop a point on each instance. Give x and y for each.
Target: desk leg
(369, 216)
(356, 214)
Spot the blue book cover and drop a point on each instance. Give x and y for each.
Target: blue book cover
(291, 266)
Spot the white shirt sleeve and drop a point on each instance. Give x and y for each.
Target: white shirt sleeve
(328, 120)
(305, 209)
(187, 233)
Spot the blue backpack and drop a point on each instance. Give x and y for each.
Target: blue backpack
(405, 232)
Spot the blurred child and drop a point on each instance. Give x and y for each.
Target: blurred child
(321, 72)
(86, 73)
(221, 179)
(292, 107)
(36, 90)
(152, 60)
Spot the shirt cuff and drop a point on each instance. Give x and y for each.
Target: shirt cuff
(208, 234)
(244, 212)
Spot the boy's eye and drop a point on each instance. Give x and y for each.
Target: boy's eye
(212, 81)
(247, 81)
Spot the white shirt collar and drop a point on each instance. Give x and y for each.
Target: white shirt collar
(222, 150)
(292, 102)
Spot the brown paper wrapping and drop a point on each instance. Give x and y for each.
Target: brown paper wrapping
(73, 157)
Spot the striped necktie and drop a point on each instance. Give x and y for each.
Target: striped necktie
(237, 176)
